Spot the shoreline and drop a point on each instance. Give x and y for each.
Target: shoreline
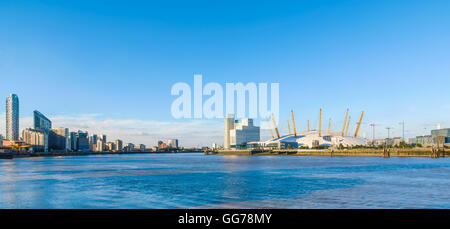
(386, 153)
(64, 154)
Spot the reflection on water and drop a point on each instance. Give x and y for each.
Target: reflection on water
(198, 181)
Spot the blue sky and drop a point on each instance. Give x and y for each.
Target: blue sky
(108, 66)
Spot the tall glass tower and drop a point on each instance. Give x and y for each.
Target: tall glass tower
(12, 117)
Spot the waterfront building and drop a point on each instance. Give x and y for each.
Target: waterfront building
(59, 139)
(82, 141)
(110, 146)
(243, 132)
(172, 143)
(129, 147)
(73, 141)
(99, 145)
(41, 122)
(118, 145)
(12, 117)
(228, 126)
(36, 138)
(428, 140)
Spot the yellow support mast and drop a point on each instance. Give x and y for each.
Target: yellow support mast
(320, 122)
(359, 124)
(329, 125)
(308, 125)
(289, 127)
(348, 124)
(275, 125)
(293, 123)
(345, 122)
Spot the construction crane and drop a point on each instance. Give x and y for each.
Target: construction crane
(293, 123)
(373, 131)
(270, 128)
(348, 124)
(275, 126)
(389, 131)
(345, 122)
(403, 128)
(359, 124)
(320, 122)
(289, 127)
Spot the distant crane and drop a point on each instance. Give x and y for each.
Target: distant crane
(403, 128)
(389, 131)
(373, 131)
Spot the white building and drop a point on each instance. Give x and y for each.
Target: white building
(12, 117)
(172, 143)
(240, 132)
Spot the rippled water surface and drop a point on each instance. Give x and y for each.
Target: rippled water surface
(196, 181)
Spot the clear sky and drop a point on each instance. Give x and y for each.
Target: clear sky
(108, 66)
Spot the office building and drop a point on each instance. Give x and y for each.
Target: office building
(242, 132)
(82, 141)
(12, 117)
(428, 140)
(35, 138)
(118, 144)
(99, 146)
(172, 143)
(41, 122)
(59, 139)
(73, 141)
(228, 126)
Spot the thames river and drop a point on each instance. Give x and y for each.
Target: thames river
(193, 180)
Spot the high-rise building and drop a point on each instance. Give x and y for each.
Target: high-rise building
(73, 141)
(44, 125)
(82, 141)
(172, 143)
(36, 138)
(41, 122)
(59, 139)
(99, 146)
(239, 133)
(118, 144)
(228, 126)
(12, 117)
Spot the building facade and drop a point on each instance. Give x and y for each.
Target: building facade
(59, 139)
(73, 141)
(172, 143)
(82, 141)
(228, 126)
(35, 138)
(12, 117)
(41, 122)
(118, 145)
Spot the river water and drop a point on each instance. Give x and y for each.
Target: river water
(193, 180)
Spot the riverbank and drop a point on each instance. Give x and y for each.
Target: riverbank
(63, 154)
(391, 152)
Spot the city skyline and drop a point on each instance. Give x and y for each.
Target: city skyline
(109, 66)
